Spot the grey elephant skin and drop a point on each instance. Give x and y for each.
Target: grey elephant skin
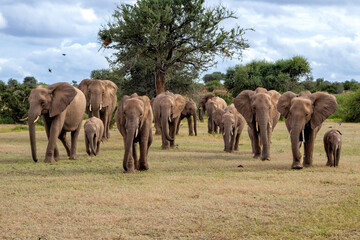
(134, 121)
(232, 124)
(211, 106)
(93, 129)
(202, 105)
(304, 114)
(101, 100)
(332, 144)
(259, 110)
(190, 114)
(62, 108)
(167, 109)
(216, 119)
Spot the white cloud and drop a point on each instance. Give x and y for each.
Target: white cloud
(3, 23)
(88, 15)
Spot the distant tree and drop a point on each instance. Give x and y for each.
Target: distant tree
(351, 85)
(212, 85)
(283, 75)
(30, 82)
(74, 83)
(12, 82)
(169, 32)
(213, 76)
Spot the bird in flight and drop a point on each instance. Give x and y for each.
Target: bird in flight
(64, 54)
(50, 70)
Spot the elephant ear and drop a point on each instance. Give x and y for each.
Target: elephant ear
(274, 95)
(324, 105)
(147, 107)
(284, 103)
(62, 96)
(179, 105)
(110, 90)
(83, 86)
(243, 104)
(119, 116)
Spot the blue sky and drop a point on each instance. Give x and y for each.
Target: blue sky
(35, 33)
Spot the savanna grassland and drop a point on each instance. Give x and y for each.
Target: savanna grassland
(195, 191)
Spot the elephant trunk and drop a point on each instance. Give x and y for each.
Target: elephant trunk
(295, 146)
(264, 136)
(201, 113)
(227, 135)
(32, 119)
(128, 163)
(165, 126)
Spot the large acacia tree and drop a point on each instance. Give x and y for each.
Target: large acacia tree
(169, 32)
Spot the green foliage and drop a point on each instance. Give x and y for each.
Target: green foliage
(351, 85)
(213, 76)
(283, 75)
(168, 32)
(30, 82)
(226, 96)
(212, 85)
(351, 107)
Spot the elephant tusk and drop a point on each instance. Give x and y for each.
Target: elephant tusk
(257, 127)
(270, 124)
(232, 132)
(169, 119)
(24, 119)
(289, 134)
(100, 106)
(37, 119)
(90, 108)
(136, 132)
(223, 133)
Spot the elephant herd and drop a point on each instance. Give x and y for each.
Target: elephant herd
(62, 108)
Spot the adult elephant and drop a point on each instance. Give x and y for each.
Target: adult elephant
(304, 114)
(62, 108)
(189, 112)
(100, 100)
(259, 110)
(202, 105)
(134, 120)
(167, 109)
(232, 124)
(211, 105)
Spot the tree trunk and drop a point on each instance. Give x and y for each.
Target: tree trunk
(160, 79)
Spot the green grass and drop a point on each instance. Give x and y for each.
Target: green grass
(195, 191)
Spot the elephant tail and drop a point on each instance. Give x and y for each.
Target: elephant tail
(92, 143)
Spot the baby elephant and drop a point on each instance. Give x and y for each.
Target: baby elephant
(332, 145)
(94, 129)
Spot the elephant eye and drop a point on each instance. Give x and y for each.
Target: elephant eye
(42, 102)
(141, 114)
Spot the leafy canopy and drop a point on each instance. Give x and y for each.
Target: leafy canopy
(169, 32)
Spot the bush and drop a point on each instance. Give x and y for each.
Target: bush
(348, 107)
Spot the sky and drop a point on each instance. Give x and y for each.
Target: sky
(34, 35)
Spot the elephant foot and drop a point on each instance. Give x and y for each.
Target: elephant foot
(265, 158)
(329, 164)
(191, 134)
(256, 155)
(129, 171)
(73, 157)
(49, 160)
(57, 158)
(143, 167)
(157, 132)
(307, 165)
(165, 147)
(296, 165)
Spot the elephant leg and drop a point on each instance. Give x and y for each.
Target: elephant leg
(64, 141)
(172, 131)
(190, 125)
(328, 154)
(157, 128)
(237, 139)
(103, 118)
(209, 125)
(337, 157)
(74, 138)
(98, 147)
(54, 131)
(144, 143)
(255, 142)
(178, 127)
(135, 157)
(47, 124)
(87, 145)
(309, 146)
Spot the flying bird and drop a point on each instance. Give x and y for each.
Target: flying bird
(64, 54)
(50, 70)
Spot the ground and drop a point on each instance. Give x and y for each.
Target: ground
(195, 191)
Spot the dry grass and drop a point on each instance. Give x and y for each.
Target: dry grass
(195, 191)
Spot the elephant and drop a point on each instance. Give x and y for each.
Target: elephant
(259, 110)
(101, 100)
(216, 119)
(62, 108)
(167, 110)
(134, 120)
(188, 112)
(94, 129)
(332, 145)
(202, 105)
(232, 124)
(304, 114)
(211, 105)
